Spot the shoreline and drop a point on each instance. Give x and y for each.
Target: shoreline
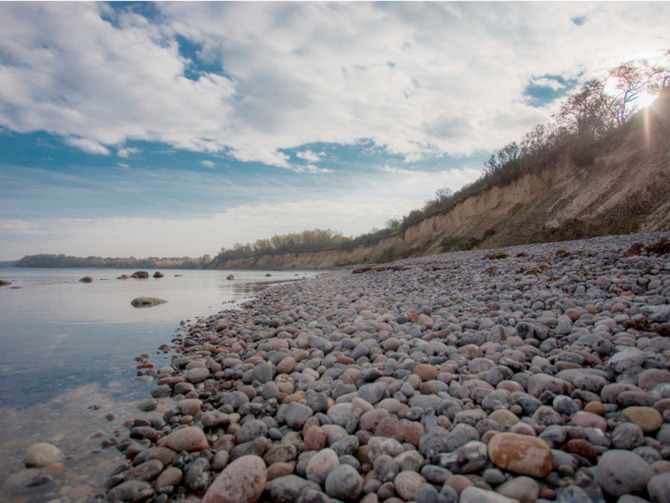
(484, 374)
(413, 375)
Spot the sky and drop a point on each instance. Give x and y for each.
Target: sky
(176, 129)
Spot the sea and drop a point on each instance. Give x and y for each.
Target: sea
(68, 354)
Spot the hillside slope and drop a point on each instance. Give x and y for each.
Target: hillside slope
(622, 186)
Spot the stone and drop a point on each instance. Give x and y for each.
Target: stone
(472, 494)
(391, 427)
(131, 490)
(41, 454)
(647, 418)
(140, 275)
(171, 476)
(148, 470)
(426, 372)
(187, 439)
(290, 488)
(522, 489)
(147, 302)
(189, 406)
(86, 279)
(622, 472)
(520, 454)
(296, 414)
(242, 481)
(320, 466)
(196, 375)
(344, 483)
(658, 488)
(315, 438)
(406, 484)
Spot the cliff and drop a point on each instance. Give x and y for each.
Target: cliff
(621, 186)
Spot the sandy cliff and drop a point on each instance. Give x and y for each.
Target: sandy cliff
(626, 188)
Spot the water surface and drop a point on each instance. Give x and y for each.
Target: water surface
(67, 358)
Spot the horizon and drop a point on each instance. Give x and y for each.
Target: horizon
(173, 130)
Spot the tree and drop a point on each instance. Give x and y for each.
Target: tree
(586, 113)
(628, 80)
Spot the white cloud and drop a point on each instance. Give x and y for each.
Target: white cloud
(87, 145)
(418, 78)
(208, 164)
(309, 156)
(548, 83)
(124, 153)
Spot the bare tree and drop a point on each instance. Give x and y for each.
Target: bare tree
(586, 113)
(629, 80)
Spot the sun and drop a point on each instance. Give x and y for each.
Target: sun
(645, 99)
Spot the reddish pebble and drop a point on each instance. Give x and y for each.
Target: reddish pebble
(413, 433)
(315, 439)
(583, 448)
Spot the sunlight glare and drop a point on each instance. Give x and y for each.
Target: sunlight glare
(644, 99)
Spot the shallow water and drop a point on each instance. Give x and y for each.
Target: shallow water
(67, 360)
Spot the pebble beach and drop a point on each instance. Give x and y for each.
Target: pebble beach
(530, 373)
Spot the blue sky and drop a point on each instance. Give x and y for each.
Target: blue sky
(176, 129)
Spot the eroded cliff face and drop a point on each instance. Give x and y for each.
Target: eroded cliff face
(625, 189)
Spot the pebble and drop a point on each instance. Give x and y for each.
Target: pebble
(622, 472)
(344, 483)
(442, 377)
(190, 438)
(407, 483)
(242, 481)
(321, 465)
(521, 454)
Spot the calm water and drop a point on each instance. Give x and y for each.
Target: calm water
(67, 357)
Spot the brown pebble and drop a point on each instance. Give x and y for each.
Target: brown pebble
(595, 408)
(425, 372)
(582, 448)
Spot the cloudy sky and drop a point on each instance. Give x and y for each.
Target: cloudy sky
(172, 129)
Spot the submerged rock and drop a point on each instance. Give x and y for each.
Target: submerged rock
(146, 302)
(41, 454)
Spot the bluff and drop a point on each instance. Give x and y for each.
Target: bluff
(621, 185)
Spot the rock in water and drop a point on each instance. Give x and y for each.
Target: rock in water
(146, 302)
(86, 279)
(4, 282)
(42, 454)
(140, 275)
(242, 481)
(521, 454)
(158, 274)
(230, 277)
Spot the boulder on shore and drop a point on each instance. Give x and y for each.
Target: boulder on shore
(146, 302)
(158, 274)
(86, 279)
(140, 275)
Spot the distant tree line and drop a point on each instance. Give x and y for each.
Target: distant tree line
(598, 109)
(312, 240)
(61, 260)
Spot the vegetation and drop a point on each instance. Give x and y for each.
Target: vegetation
(597, 111)
(60, 261)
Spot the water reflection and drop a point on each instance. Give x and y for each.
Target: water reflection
(68, 346)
